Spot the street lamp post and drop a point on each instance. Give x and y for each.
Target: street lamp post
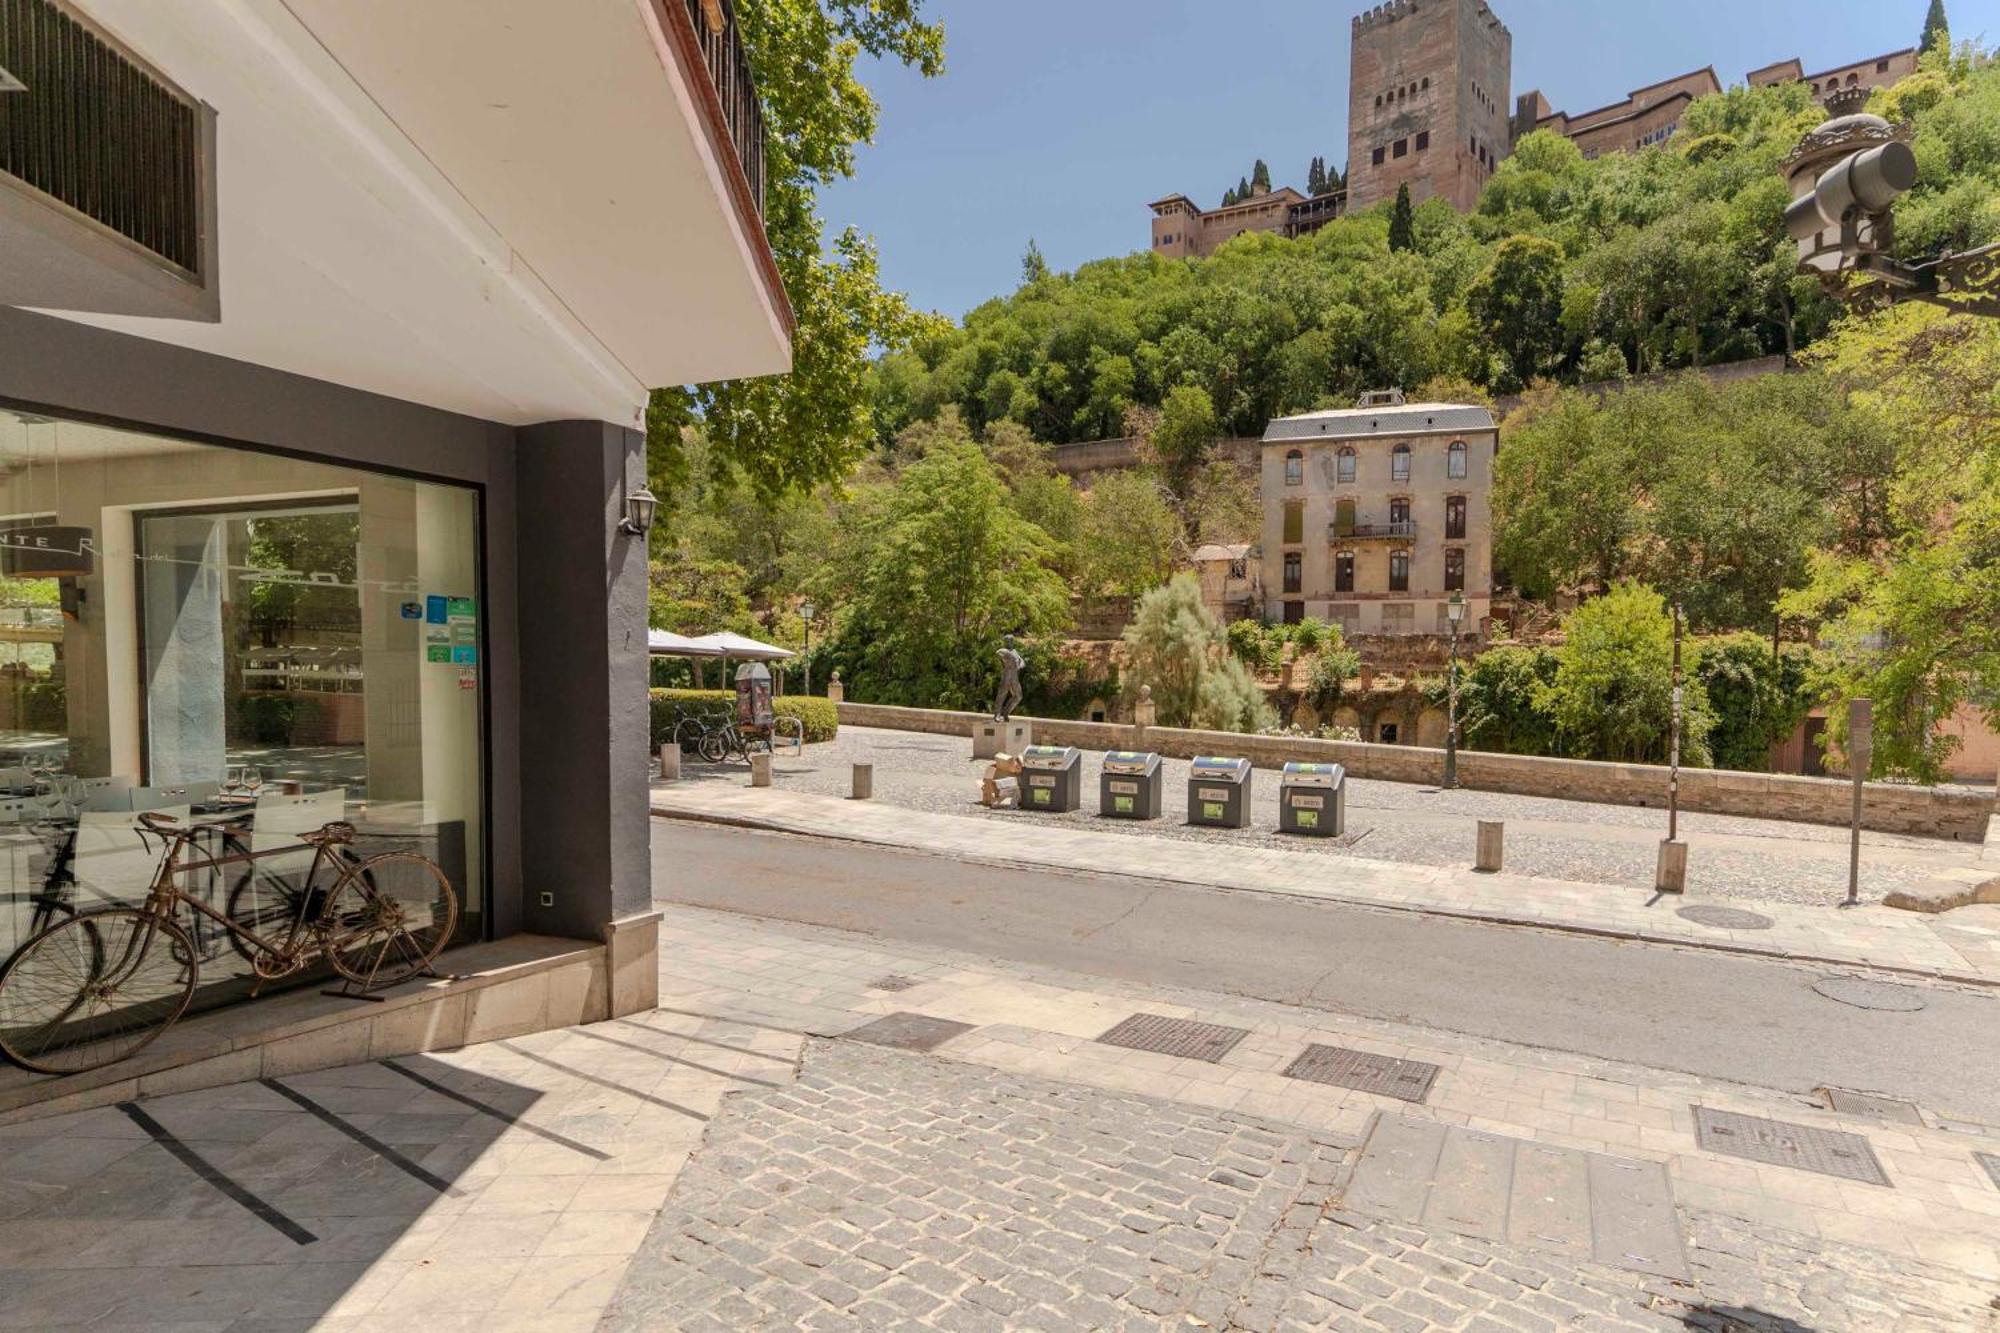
(805, 656)
(1454, 611)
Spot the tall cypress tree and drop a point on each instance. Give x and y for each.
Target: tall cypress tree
(1403, 221)
(1936, 28)
(1260, 176)
(1316, 177)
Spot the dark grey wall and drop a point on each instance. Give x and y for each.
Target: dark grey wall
(584, 730)
(571, 616)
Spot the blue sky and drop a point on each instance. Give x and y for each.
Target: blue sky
(1061, 120)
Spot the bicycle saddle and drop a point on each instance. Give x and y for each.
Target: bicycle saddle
(335, 834)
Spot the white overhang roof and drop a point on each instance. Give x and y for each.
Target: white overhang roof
(511, 208)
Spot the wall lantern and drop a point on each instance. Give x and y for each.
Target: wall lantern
(640, 506)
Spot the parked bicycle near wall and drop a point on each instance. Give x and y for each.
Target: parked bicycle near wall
(96, 987)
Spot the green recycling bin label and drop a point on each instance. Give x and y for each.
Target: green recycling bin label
(1213, 810)
(1307, 818)
(1122, 804)
(1041, 795)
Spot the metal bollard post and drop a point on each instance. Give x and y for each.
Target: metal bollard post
(760, 769)
(670, 762)
(1492, 833)
(864, 782)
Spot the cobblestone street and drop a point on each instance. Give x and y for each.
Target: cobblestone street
(1578, 841)
(887, 1189)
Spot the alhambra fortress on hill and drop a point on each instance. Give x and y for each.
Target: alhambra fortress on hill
(1428, 106)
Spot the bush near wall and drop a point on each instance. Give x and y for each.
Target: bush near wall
(821, 720)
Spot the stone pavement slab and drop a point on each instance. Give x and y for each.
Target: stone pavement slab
(1961, 948)
(501, 1187)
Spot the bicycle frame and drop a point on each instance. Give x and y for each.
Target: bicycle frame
(165, 893)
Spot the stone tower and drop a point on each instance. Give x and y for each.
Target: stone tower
(1428, 101)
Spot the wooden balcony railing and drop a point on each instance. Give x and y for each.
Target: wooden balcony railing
(1401, 531)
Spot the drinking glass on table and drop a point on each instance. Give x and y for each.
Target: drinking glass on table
(253, 780)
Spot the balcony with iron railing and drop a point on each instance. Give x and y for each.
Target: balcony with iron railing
(1346, 530)
(721, 44)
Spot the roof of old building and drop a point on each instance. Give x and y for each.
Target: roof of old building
(1361, 422)
(1203, 555)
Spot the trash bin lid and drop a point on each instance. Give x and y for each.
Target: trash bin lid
(1050, 756)
(1131, 761)
(1314, 775)
(1212, 768)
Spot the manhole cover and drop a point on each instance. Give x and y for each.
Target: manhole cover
(909, 1032)
(1830, 1152)
(1385, 1075)
(1175, 1036)
(1992, 1165)
(893, 982)
(1867, 1103)
(1724, 918)
(1865, 994)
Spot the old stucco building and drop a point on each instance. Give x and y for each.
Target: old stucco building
(1375, 515)
(1429, 105)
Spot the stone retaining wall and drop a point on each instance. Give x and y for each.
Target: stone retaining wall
(1887, 807)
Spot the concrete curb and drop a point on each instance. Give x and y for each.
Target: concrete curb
(769, 825)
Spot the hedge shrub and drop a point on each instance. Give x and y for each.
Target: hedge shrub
(822, 720)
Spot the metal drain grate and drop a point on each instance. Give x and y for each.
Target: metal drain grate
(1384, 1075)
(1992, 1165)
(894, 981)
(1882, 1108)
(1830, 1152)
(1724, 918)
(1175, 1036)
(909, 1032)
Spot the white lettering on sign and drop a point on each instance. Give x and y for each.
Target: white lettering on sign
(1126, 787)
(1040, 780)
(1303, 802)
(1213, 794)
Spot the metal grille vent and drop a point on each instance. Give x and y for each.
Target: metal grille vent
(96, 130)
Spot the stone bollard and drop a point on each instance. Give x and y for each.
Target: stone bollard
(864, 782)
(1492, 833)
(760, 769)
(1672, 874)
(836, 693)
(670, 762)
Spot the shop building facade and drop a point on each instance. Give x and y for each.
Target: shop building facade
(326, 332)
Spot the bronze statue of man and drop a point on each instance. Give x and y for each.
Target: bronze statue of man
(1009, 697)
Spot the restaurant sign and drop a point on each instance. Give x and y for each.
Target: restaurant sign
(49, 551)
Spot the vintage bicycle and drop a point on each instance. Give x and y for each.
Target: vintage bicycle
(97, 987)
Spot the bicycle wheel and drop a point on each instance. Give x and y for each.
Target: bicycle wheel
(687, 735)
(262, 901)
(92, 990)
(714, 747)
(387, 919)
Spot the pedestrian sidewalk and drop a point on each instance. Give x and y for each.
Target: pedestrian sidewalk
(1918, 1249)
(1962, 946)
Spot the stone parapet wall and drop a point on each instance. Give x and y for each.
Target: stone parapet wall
(1886, 807)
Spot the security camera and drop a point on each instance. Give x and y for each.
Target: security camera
(1868, 181)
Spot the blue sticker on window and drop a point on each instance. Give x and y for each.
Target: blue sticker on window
(465, 656)
(413, 610)
(434, 609)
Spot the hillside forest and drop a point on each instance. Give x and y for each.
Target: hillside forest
(1844, 514)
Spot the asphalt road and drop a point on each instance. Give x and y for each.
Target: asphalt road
(1704, 1013)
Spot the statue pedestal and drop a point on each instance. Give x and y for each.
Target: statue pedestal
(990, 738)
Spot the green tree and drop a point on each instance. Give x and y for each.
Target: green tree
(696, 596)
(1913, 620)
(1128, 537)
(814, 423)
(1403, 221)
(1565, 509)
(1937, 31)
(1181, 438)
(1500, 696)
(1612, 693)
(1316, 177)
(1178, 647)
(1033, 267)
(1758, 696)
(1260, 178)
(1517, 304)
(942, 568)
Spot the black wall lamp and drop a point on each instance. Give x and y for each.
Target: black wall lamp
(640, 506)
